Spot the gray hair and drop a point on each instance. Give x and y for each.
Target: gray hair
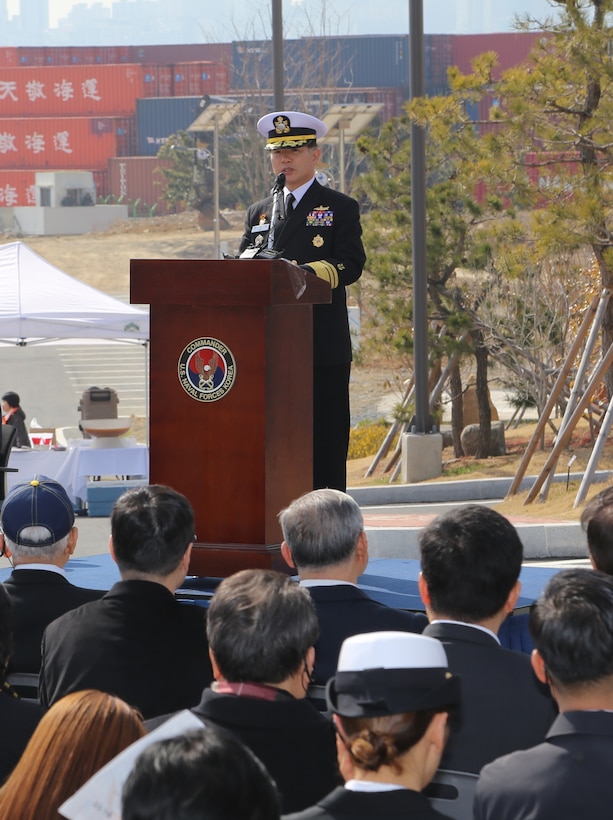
(43, 554)
(322, 528)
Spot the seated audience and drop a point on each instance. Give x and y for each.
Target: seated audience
(13, 415)
(137, 642)
(390, 699)
(18, 718)
(469, 582)
(205, 773)
(324, 539)
(38, 536)
(597, 521)
(261, 628)
(568, 776)
(76, 738)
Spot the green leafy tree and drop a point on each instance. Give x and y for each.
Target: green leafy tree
(459, 236)
(554, 120)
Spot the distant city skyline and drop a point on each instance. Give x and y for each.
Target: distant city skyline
(246, 19)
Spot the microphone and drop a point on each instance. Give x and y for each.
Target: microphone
(279, 184)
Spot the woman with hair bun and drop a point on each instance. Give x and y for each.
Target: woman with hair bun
(390, 700)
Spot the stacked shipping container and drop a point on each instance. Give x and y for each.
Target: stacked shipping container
(89, 107)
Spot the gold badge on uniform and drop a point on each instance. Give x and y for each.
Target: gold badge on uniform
(318, 241)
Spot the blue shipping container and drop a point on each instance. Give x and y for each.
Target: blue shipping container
(159, 117)
(380, 61)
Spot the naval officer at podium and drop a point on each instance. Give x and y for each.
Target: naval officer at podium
(318, 229)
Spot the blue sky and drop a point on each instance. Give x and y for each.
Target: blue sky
(350, 16)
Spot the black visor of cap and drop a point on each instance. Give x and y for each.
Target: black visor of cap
(378, 692)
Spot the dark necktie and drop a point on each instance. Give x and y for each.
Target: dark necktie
(289, 204)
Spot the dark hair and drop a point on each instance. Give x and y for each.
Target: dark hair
(6, 631)
(322, 528)
(151, 529)
(380, 741)
(260, 625)
(206, 774)
(471, 559)
(597, 521)
(572, 627)
(11, 398)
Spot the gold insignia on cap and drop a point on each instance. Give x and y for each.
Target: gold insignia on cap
(318, 241)
(282, 124)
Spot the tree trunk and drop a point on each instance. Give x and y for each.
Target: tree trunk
(485, 415)
(457, 409)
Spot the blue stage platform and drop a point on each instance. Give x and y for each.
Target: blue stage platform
(391, 581)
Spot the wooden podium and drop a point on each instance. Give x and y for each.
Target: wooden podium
(231, 416)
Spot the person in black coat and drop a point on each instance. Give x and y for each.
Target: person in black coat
(324, 539)
(470, 564)
(261, 628)
(13, 414)
(320, 230)
(18, 718)
(569, 774)
(38, 536)
(390, 700)
(137, 642)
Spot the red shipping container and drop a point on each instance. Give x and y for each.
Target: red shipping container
(165, 81)
(138, 182)
(17, 188)
(101, 183)
(60, 55)
(194, 79)
(182, 53)
(392, 99)
(9, 57)
(31, 55)
(71, 142)
(106, 90)
(511, 47)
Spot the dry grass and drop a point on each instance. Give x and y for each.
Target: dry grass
(559, 504)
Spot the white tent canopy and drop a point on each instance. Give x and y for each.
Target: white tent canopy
(40, 303)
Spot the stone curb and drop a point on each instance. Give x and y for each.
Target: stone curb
(541, 540)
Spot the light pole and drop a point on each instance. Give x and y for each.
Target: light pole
(277, 53)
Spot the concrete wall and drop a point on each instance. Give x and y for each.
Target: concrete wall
(35, 221)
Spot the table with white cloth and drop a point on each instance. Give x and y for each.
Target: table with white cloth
(72, 467)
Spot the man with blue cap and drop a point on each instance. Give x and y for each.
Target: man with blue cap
(318, 229)
(38, 537)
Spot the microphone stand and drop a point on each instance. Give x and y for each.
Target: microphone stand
(278, 209)
(277, 218)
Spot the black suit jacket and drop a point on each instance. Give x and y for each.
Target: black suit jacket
(343, 804)
(503, 705)
(18, 719)
(137, 642)
(292, 739)
(565, 778)
(37, 598)
(344, 610)
(325, 225)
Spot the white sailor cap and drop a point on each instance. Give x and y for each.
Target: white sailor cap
(385, 673)
(290, 129)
